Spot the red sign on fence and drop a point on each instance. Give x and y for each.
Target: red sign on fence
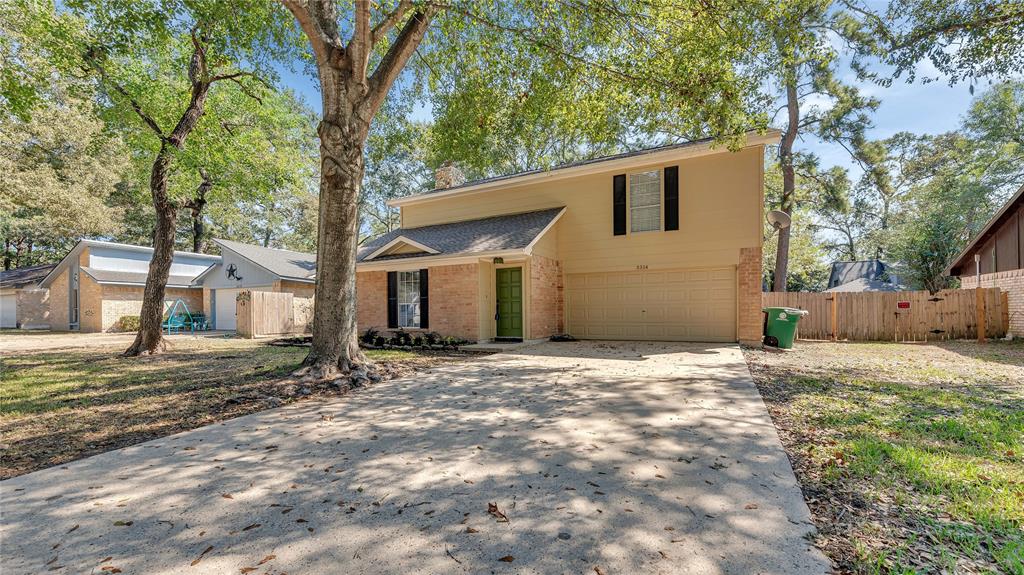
(903, 305)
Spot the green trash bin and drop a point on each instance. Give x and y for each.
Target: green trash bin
(780, 326)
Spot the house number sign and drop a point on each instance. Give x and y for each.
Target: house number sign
(641, 266)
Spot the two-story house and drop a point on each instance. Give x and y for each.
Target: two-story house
(658, 244)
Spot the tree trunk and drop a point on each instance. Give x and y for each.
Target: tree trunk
(197, 205)
(7, 254)
(335, 347)
(150, 335)
(788, 182)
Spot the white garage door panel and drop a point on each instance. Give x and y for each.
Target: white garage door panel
(9, 310)
(670, 305)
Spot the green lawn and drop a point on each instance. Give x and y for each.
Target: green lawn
(910, 455)
(60, 406)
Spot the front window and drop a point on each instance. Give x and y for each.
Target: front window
(409, 299)
(645, 201)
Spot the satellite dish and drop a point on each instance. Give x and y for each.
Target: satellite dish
(779, 219)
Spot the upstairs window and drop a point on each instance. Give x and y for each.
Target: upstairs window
(645, 201)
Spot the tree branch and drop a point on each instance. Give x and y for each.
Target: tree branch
(384, 26)
(90, 58)
(398, 54)
(361, 44)
(310, 25)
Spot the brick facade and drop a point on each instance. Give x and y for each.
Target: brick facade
(371, 300)
(33, 308)
(748, 296)
(454, 296)
(1011, 282)
(454, 300)
(59, 301)
(119, 301)
(546, 297)
(91, 304)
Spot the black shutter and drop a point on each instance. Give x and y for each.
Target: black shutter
(672, 198)
(424, 303)
(392, 299)
(619, 204)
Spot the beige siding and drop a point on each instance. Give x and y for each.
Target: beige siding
(720, 213)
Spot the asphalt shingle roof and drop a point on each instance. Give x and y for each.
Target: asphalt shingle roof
(20, 277)
(138, 278)
(285, 263)
(510, 232)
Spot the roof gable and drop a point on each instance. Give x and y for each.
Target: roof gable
(498, 233)
(998, 219)
(285, 264)
(401, 245)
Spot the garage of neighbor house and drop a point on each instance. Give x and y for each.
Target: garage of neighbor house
(658, 244)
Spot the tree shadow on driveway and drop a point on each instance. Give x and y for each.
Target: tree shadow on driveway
(599, 462)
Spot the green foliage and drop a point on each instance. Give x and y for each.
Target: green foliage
(128, 323)
(60, 165)
(533, 84)
(963, 40)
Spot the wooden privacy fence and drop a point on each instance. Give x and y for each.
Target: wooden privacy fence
(897, 316)
(262, 313)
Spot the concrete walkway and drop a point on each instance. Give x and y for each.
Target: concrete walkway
(604, 458)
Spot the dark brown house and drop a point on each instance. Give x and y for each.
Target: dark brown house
(1000, 261)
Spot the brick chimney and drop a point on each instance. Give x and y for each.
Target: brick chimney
(448, 176)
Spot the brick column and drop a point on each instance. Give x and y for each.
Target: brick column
(748, 295)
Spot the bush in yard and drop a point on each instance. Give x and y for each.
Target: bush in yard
(370, 336)
(127, 323)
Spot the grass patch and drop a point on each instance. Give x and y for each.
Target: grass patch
(911, 455)
(57, 407)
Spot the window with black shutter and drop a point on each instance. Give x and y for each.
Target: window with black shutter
(619, 205)
(672, 198)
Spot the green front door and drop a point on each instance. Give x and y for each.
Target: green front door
(509, 291)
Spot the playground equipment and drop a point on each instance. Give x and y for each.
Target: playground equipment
(177, 317)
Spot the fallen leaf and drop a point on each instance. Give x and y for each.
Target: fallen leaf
(492, 508)
(471, 530)
(245, 570)
(253, 526)
(227, 496)
(110, 569)
(750, 506)
(598, 571)
(267, 558)
(123, 523)
(73, 528)
(201, 555)
(507, 559)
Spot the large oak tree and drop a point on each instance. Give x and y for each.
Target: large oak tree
(361, 51)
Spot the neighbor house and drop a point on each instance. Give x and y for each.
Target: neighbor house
(863, 276)
(247, 267)
(995, 257)
(658, 244)
(22, 302)
(98, 283)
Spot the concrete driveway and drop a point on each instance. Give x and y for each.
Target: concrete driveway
(609, 458)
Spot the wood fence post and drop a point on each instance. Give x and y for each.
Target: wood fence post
(835, 316)
(979, 299)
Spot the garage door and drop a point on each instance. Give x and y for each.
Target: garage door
(9, 310)
(656, 305)
(224, 308)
